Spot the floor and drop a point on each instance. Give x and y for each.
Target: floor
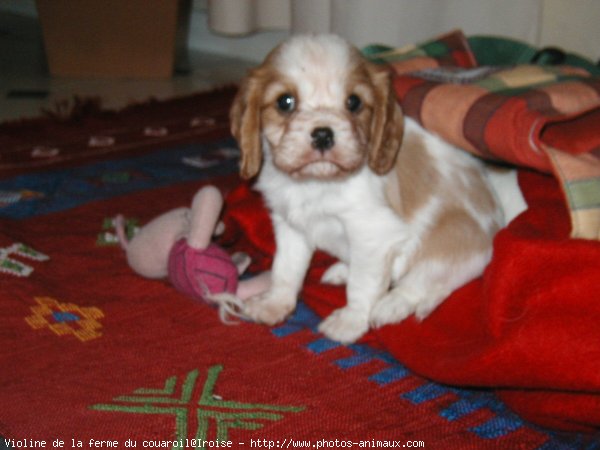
(26, 86)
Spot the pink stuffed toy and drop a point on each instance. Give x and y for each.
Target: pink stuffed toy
(177, 245)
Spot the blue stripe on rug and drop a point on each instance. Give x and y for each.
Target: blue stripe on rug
(390, 375)
(426, 392)
(322, 345)
(497, 426)
(63, 189)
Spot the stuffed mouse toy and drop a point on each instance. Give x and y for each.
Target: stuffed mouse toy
(177, 245)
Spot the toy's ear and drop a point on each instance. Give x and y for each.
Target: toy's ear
(204, 215)
(387, 125)
(148, 251)
(245, 123)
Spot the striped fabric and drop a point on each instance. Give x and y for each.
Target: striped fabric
(541, 117)
(451, 49)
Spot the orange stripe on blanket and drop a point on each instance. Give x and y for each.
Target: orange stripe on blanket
(572, 96)
(413, 64)
(456, 98)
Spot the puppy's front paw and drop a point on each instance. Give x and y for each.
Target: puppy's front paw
(345, 325)
(270, 307)
(337, 274)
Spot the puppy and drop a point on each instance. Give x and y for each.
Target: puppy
(409, 217)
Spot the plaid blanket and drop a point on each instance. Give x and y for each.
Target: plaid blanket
(541, 117)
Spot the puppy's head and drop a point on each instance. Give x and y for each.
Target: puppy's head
(320, 109)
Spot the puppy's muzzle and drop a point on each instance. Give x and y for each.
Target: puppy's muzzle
(322, 139)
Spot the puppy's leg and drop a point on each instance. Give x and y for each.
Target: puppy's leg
(416, 293)
(453, 254)
(292, 258)
(368, 279)
(365, 285)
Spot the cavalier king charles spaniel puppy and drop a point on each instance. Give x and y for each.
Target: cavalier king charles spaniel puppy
(409, 217)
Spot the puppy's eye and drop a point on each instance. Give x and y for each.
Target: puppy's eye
(286, 103)
(353, 103)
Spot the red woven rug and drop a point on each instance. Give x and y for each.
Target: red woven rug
(94, 356)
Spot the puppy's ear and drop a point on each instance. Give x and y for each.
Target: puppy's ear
(244, 117)
(387, 125)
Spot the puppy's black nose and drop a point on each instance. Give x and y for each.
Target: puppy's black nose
(322, 138)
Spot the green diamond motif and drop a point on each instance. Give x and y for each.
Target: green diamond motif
(211, 416)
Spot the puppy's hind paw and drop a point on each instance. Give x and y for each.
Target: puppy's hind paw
(345, 325)
(337, 274)
(390, 309)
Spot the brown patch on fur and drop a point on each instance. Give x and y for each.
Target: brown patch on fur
(456, 235)
(479, 194)
(387, 126)
(245, 123)
(270, 114)
(414, 179)
(245, 114)
(359, 83)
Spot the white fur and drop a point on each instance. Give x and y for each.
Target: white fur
(349, 217)
(506, 187)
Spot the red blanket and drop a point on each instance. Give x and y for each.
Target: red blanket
(529, 327)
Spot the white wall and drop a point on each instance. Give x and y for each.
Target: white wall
(571, 24)
(402, 22)
(252, 47)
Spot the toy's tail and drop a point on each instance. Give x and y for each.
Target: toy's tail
(230, 306)
(120, 230)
